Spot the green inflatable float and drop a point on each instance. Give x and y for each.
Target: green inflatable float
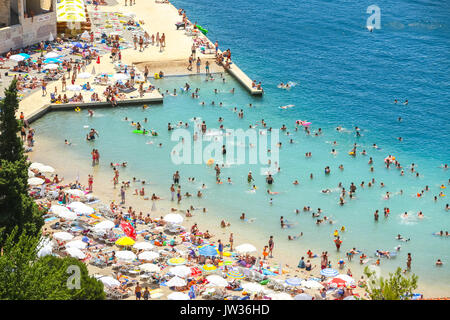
(203, 30)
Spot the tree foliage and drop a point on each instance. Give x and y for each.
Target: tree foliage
(397, 287)
(24, 276)
(11, 147)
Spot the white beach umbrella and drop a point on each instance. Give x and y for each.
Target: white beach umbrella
(45, 247)
(36, 165)
(216, 281)
(31, 174)
(252, 287)
(76, 244)
(84, 75)
(104, 225)
(69, 215)
(143, 245)
(245, 248)
(57, 209)
(303, 296)
(311, 284)
(148, 255)
(63, 236)
(50, 66)
(173, 218)
(35, 181)
(109, 281)
(178, 296)
(80, 208)
(17, 57)
(281, 296)
(149, 267)
(46, 169)
(125, 255)
(76, 253)
(121, 76)
(51, 54)
(181, 271)
(75, 192)
(74, 87)
(176, 282)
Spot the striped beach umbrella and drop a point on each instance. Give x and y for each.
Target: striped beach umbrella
(293, 281)
(329, 272)
(235, 274)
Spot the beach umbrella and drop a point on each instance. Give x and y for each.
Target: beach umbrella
(50, 66)
(195, 271)
(74, 87)
(176, 261)
(69, 215)
(75, 192)
(150, 267)
(310, 284)
(181, 271)
(329, 272)
(148, 255)
(303, 296)
(57, 209)
(176, 282)
(234, 274)
(178, 296)
(125, 241)
(52, 60)
(31, 174)
(125, 255)
(349, 280)
(252, 287)
(35, 181)
(173, 218)
(36, 165)
(63, 236)
(293, 282)
(121, 76)
(209, 267)
(84, 75)
(337, 282)
(17, 57)
(104, 225)
(245, 248)
(45, 247)
(26, 56)
(143, 245)
(216, 281)
(75, 253)
(281, 296)
(46, 169)
(76, 244)
(208, 251)
(109, 281)
(80, 208)
(51, 54)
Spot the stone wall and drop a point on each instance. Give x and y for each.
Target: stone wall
(4, 12)
(29, 32)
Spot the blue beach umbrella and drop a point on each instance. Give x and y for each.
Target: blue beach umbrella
(329, 272)
(208, 251)
(26, 56)
(52, 60)
(293, 281)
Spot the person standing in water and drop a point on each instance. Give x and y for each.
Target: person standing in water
(338, 243)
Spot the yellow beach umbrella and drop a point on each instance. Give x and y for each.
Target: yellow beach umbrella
(209, 267)
(176, 261)
(125, 241)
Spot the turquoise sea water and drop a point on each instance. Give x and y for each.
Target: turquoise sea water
(346, 76)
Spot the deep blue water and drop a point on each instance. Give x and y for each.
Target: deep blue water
(346, 74)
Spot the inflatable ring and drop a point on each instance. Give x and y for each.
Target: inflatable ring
(156, 75)
(210, 162)
(77, 109)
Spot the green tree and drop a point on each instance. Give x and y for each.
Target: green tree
(397, 287)
(11, 147)
(17, 208)
(24, 276)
